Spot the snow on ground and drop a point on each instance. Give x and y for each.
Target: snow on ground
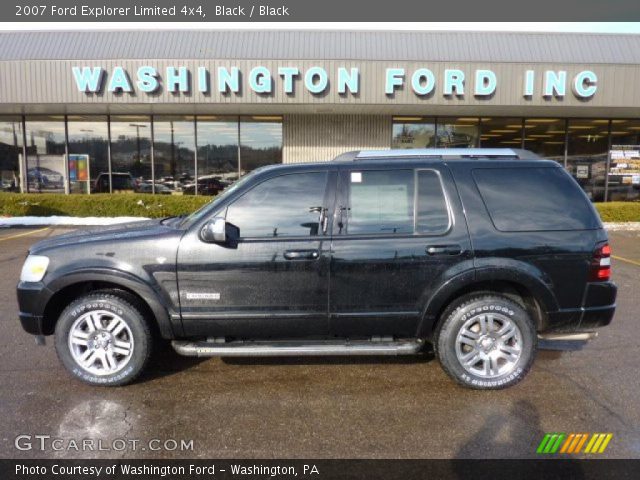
(73, 221)
(622, 226)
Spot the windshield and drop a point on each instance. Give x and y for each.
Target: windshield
(210, 206)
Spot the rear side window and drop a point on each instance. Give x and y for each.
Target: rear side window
(381, 201)
(397, 201)
(534, 199)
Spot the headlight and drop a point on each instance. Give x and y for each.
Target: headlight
(34, 268)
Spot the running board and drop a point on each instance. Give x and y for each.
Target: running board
(565, 341)
(296, 348)
(568, 337)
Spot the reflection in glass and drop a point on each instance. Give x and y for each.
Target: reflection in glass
(546, 137)
(289, 205)
(46, 170)
(88, 154)
(11, 141)
(413, 132)
(624, 171)
(461, 132)
(587, 155)
(381, 202)
(501, 132)
(174, 151)
(260, 142)
(131, 153)
(217, 154)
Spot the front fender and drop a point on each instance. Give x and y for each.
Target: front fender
(168, 324)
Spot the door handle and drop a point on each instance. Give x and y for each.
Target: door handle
(301, 254)
(444, 249)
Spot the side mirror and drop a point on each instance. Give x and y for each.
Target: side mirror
(214, 231)
(220, 231)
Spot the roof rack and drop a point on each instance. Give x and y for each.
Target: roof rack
(438, 153)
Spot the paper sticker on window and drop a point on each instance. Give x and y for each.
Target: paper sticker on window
(356, 177)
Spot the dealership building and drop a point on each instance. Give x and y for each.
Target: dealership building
(186, 112)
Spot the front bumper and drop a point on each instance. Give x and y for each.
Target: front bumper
(32, 300)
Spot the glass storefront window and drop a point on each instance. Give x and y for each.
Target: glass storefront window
(624, 170)
(11, 141)
(546, 137)
(460, 132)
(131, 154)
(501, 132)
(217, 154)
(88, 154)
(46, 169)
(260, 142)
(413, 132)
(587, 155)
(174, 152)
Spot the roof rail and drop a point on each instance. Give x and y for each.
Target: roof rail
(438, 153)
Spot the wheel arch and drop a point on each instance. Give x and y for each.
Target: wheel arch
(68, 288)
(529, 291)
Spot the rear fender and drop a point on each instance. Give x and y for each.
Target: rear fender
(515, 272)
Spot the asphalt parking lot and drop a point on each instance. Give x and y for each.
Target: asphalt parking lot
(319, 408)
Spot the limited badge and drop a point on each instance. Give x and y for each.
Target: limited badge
(203, 296)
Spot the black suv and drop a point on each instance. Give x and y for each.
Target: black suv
(478, 252)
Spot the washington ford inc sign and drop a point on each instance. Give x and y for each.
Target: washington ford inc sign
(230, 80)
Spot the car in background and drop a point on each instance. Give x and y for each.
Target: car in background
(42, 177)
(120, 182)
(147, 187)
(207, 185)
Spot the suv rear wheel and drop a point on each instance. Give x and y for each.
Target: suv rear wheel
(486, 341)
(102, 339)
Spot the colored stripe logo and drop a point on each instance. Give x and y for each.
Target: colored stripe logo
(573, 443)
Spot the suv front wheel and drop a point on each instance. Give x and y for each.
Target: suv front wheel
(102, 339)
(486, 341)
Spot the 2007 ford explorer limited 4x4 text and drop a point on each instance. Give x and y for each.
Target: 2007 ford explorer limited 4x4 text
(479, 252)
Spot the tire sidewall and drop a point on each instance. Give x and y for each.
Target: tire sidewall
(132, 318)
(447, 341)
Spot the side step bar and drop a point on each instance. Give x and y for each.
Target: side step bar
(565, 341)
(296, 348)
(568, 337)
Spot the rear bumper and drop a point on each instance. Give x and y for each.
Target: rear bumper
(599, 306)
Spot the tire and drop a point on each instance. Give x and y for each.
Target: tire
(108, 334)
(486, 341)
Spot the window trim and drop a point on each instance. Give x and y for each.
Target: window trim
(288, 238)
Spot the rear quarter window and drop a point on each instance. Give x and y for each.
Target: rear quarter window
(534, 199)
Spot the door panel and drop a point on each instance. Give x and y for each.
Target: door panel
(233, 292)
(379, 280)
(276, 282)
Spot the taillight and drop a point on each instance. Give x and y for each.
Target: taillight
(601, 264)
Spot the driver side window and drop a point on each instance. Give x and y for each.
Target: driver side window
(284, 206)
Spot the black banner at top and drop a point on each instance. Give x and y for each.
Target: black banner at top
(318, 11)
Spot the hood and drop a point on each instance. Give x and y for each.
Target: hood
(94, 234)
